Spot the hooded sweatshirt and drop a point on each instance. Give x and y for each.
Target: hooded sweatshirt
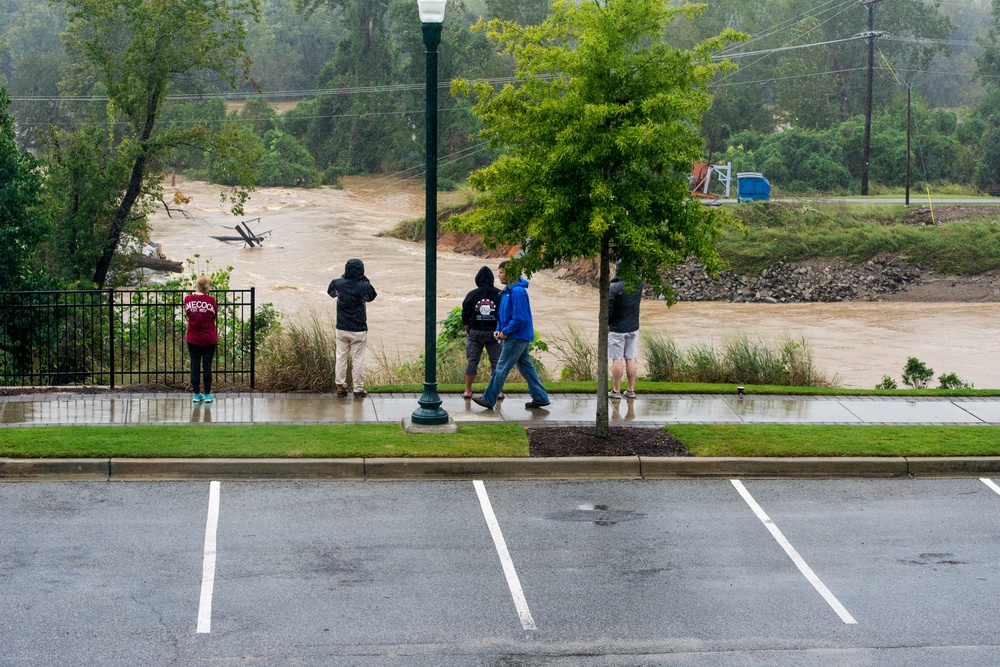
(352, 291)
(515, 312)
(479, 310)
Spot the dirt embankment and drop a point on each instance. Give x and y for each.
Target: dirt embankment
(883, 278)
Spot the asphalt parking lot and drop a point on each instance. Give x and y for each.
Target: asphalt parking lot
(501, 573)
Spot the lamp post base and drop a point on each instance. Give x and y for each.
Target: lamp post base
(449, 428)
(430, 412)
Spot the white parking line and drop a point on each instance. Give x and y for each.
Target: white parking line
(513, 583)
(208, 569)
(794, 555)
(990, 483)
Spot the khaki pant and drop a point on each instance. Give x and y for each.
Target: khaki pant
(353, 344)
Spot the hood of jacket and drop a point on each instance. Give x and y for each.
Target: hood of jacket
(485, 277)
(521, 282)
(354, 270)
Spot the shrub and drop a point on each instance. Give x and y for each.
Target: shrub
(916, 374)
(952, 381)
(887, 383)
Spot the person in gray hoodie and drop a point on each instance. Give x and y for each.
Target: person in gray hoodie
(352, 292)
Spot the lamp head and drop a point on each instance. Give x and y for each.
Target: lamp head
(431, 11)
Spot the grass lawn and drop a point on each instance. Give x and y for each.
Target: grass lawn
(477, 440)
(265, 441)
(838, 440)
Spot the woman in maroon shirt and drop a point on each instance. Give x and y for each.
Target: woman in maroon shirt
(201, 310)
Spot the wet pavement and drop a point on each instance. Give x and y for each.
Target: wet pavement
(565, 409)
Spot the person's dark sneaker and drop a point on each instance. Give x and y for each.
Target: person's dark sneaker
(531, 405)
(342, 390)
(361, 393)
(479, 400)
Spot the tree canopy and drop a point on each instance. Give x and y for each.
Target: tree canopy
(136, 52)
(598, 139)
(20, 228)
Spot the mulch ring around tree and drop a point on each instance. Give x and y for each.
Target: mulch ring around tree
(583, 441)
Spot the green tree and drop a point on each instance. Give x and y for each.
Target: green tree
(136, 52)
(287, 163)
(598, 142)
(21, 223)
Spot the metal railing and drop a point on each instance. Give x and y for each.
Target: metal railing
(119, 337)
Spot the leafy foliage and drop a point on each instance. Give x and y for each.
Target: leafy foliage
(22, 225)
(597, 141)
(136, 52)
(916, 374)
(952, 381)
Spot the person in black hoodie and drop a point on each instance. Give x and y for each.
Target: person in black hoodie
(479, 318)
(352, 291)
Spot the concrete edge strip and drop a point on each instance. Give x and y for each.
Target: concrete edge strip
(623, 467)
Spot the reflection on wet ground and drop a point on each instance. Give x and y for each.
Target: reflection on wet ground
(572, 409)
(314, 232)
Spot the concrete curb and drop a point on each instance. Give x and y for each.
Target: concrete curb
(612, 467)
(957, 466)
(593, 467)
(98, 470)
(687, 467)
(235, 469)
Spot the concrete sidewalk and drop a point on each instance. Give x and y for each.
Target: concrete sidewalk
(650, 410)
(566, 409)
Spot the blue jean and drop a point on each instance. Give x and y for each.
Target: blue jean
(515, 352)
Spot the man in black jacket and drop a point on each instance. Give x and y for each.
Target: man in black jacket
(352, 291)
(479, 318)
(623, 334)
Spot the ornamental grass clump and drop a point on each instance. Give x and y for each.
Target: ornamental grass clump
(299, 357)
(741, 360)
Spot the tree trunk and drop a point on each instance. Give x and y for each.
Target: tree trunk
(159, 264)
(602, 426)
(131, 196)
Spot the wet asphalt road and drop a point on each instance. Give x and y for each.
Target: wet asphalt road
(502, 574)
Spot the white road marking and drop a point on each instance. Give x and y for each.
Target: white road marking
(990, 483)
(513, 583)
(208, 570)
(794, 555)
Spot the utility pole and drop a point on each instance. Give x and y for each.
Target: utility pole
(871, 35)
(907, 144)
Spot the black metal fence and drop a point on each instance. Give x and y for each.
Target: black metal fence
(117, 338)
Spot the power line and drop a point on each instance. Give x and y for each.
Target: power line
(238, 96)
(848, 6)
(788, 23)
(787, 48)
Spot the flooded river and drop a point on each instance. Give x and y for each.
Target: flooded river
(314, 232)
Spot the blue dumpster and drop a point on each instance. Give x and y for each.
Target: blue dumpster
(752, 186)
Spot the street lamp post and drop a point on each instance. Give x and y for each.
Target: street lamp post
(430, 412)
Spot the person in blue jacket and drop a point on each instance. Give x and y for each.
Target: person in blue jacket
(515, 332)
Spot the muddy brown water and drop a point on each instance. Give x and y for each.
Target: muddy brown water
(314, 232)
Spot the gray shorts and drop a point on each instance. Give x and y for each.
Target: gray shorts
(474, 345)
(623, 345)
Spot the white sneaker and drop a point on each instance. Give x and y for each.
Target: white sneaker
(628, 393)
(614, 395)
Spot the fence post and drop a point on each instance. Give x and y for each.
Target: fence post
(253, 336)
(111, 334)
